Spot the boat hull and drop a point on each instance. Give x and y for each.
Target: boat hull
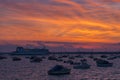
(59, 72)
(81, 67)
(105, 65)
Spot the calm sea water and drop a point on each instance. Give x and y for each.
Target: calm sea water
(25, 70)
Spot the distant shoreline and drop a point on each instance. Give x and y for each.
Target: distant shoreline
(85, 53)
(68, 53)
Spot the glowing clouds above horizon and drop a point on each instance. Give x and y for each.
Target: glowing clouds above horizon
(60, 20)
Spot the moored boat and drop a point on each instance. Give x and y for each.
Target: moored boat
(36, 59)
(103, 63)
(16, 59)
(82, 66)
(59, 70)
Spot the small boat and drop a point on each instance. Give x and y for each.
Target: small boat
(64, 56)
(71, 57)
(82, 66)
(36, 59)
(91, 56)
(59, 70)
(27, 57)
(103, 63)
(111, 58)
(43, 57)
(83, 60)
(69, 61)
(59, 60)
(2, 57)
(79, 56)
(104, 56)
(32, 57)
(95, 59)
(76, 63)
(16, 59)
(52, 58)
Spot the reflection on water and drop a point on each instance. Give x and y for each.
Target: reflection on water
(25, 70)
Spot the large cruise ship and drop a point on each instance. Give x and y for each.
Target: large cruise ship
(35, 51)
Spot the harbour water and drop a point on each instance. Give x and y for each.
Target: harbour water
(25, 70)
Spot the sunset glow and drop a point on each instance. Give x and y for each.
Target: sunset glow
(82, 21)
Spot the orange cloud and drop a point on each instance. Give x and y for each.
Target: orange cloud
(60, 20)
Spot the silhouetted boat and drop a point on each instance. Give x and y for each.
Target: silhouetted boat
(2, 57)
(59, 70)
(111, 58)
(35, 51)
(69, 61)
(83, 65)
(64, 56)
(104, 56)
(76, 63)
(103, 63)
(16, 59)
(52, 58)
(35, 59)
(79, 56)
(95, 59)
(43, 57)
(71, 58)
(91, 56)
(83, 60)
(59, 60)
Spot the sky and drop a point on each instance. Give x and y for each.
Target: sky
(67, 25)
